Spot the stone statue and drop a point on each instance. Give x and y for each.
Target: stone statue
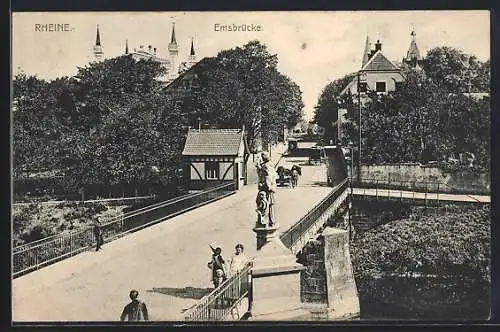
(267, 185)
(262, 208)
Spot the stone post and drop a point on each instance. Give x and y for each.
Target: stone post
(343, 301)
(265, 235)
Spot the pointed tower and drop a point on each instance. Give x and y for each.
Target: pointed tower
(126, 46)
(192, 55)
(173, 50)
(413, 57)
(98, 53)
(366, 52)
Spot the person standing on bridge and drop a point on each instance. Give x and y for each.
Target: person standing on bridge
(98, 234)
(136, 310)
(217, 263)
(238, 261)
(296, 172)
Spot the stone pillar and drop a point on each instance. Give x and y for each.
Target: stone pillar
(265, 235)
(276, 284)
(343, 301)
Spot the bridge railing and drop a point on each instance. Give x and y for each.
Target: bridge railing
(46, 251)
(417, 186)
(294, 234)
(223, 300)
(432, 191)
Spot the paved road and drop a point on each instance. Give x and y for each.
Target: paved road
(420, 195)
(166, 262)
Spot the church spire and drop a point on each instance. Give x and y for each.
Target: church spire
(173, 50)
(98, 53)
(172, 40)
(192, 55)
(192, 47)
(98, 37)
(413, 55)
(366, 52)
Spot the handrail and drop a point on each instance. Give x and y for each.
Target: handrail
(294, 233)
(223, 299)
(124, 215)
(31, 256)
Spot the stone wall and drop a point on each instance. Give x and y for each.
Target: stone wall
(313, 278)
(411, 174)
(369, 213)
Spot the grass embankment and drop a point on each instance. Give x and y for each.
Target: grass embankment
(35, 221)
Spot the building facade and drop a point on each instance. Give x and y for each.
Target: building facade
(377, 73)
(213, 156)
(169, 60)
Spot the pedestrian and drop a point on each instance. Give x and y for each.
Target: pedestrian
(217, 263)
(98, 234)
(296, 172)
(238, 260)
(136, 310)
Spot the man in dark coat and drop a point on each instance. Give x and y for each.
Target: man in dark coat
(98, 235)
(135, 310)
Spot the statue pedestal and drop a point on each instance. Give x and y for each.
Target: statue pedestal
(276, 282)
(266, 234)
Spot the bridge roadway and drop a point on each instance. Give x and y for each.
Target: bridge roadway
(166, 263)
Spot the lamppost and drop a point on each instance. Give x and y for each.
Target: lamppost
(361, 75)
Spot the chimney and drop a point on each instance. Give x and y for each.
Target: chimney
(378, 46)
(149, 48)
(154, 50)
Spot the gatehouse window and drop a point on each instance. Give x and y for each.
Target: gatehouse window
(380, 87)
(212, 170)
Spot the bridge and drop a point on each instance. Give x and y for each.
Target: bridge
(167, 261)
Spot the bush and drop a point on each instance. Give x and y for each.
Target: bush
(456, 243)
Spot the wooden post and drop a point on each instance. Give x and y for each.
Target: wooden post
(438, 195)
(401, 191)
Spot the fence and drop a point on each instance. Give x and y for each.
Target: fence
(224, 300)
(49, 250)
(430, 192)
(292, 235)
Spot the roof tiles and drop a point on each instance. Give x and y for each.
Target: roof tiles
(213, 142)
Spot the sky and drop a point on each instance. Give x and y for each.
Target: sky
(313, 48)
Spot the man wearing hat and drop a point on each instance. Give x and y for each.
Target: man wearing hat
(135, 310)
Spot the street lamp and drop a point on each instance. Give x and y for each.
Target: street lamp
(361, 76)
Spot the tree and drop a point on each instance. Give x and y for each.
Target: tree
(37, 123)
(242, 87)
(451, 69)
(429, 118)
(125, 127)
(329, 102)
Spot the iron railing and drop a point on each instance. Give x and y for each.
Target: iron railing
(34, 255)
(223, 300)
(293, 234)
(417, 186)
